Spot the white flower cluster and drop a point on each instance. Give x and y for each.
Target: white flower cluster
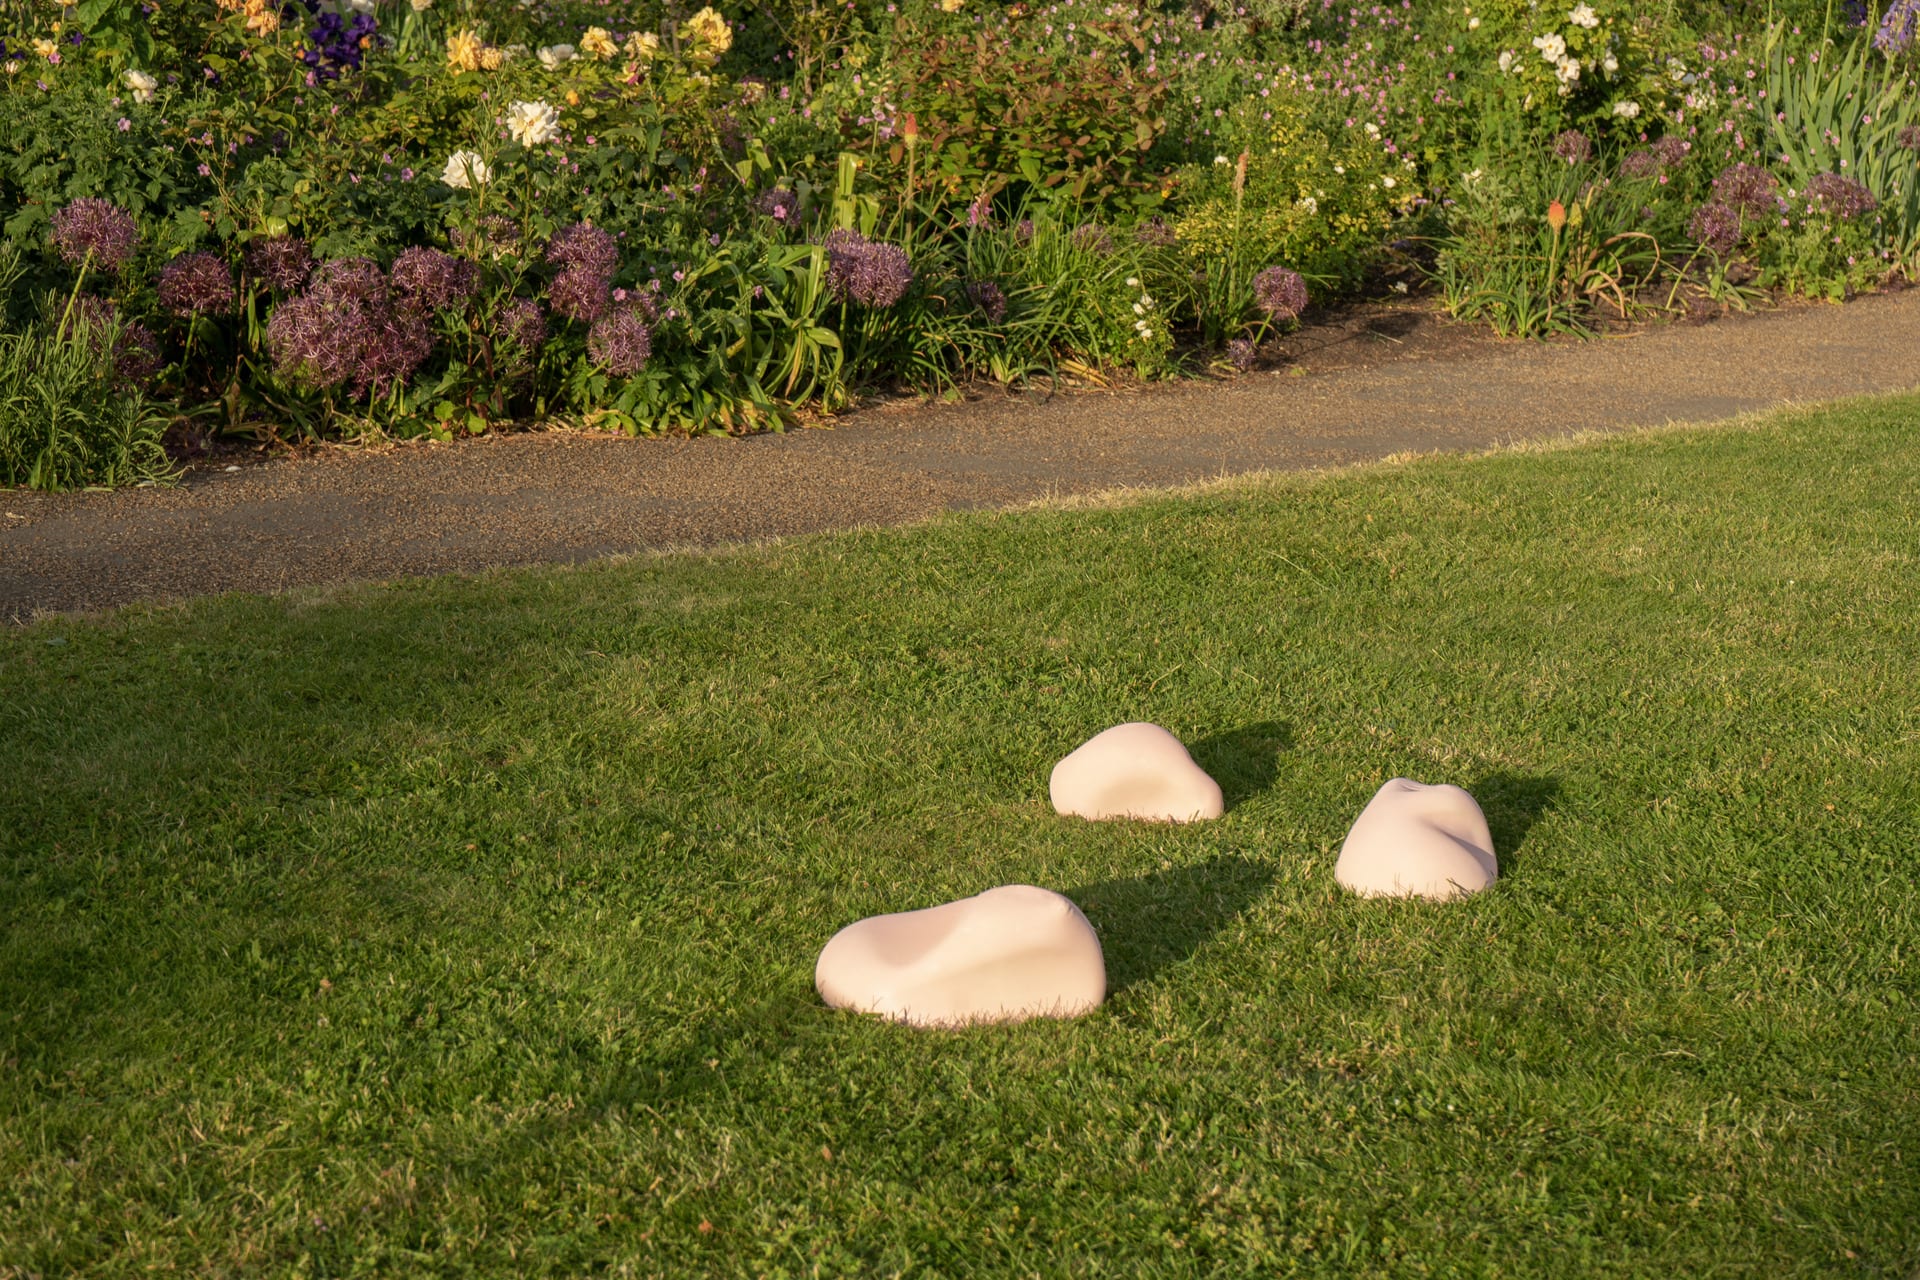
(533, 124)
(142, 85)
(1141, 310)
(1553, 49)
(465, 170)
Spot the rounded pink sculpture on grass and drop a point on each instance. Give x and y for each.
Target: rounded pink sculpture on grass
(1005, 955)
(1134, 771)
(1416, 840)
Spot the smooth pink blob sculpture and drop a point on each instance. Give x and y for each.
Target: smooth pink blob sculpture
(1413, 839)
(1134, 771)
(1005, 955)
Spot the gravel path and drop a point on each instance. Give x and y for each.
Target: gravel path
(1385, 382)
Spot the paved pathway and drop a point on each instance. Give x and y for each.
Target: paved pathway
(1392, 385)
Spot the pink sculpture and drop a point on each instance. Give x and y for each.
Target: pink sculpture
(1005, 955)
(1134, 771)
(1413, 839)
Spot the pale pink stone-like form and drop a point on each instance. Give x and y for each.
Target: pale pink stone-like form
(1005, 955)
(1134, 771)
(1413, 839)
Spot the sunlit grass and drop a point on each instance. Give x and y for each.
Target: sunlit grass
(467, 926)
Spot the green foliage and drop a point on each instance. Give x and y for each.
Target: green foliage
(1283, 194)
(68, 420)
(1503, 259)
(1843, 110)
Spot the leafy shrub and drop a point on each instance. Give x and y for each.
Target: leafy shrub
(68, 416)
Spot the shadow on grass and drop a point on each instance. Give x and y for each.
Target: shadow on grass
(1244, 761)
(1513, 802)
(1149, 923)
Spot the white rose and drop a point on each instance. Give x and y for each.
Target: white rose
(1308, 205)
(557, 55)
(1473, 24)
(1584, 16)
(533, 124)
(142, 85)
(1506, 61)
(1568, 70)
(360, 6)
(1552, 46)
(1610, 64)
(465, 169)
(1627, 110)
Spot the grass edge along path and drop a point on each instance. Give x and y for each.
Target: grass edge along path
(466, 926)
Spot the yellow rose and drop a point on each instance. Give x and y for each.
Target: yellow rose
(709, 33)
(45, 48)
(491, 58)
(598, 42)
(643, 46)
(463, 51)
(951, 6)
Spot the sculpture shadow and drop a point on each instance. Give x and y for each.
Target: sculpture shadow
(1244, 761)
(1513, 802)
(1151, 922)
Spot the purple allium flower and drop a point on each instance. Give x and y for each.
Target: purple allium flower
(1155, 233)
(866, 271)
(1639, 164)
(781, 204)
(585, 248)
(1091, 237)
(1023, 233)
(1715, 226)
(987, 296)
(96, 230)
(1909, 137)
(433, 278)
(621, 341)
(348, 330)
(1842, 197)
(196, 284)
(1573, 146)
(282, 263)
(522, 325)
(1671, 152)
(136, 352)
(1240, 353)
(1748, 190)
(1898, 27)
(1280, 292)
(579, 293)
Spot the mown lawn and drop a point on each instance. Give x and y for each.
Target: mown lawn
(467, 927)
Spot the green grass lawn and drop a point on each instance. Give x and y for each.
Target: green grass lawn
(467, 927)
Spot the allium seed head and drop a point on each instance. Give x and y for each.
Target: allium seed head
(433, 278)
(196, 284)
(621, 341)
(522, 325)
(579, 293)
(1280, 292)
(1240, 353)
(1842, 197)
(1715, 226)
(585, 248)
(282, 263)
(989, 297)
(1573, 146)
(96, 230)
(1748, 190)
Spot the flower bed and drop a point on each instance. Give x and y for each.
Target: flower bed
(324, 217)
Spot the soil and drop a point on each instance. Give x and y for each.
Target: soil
(1377, 379)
